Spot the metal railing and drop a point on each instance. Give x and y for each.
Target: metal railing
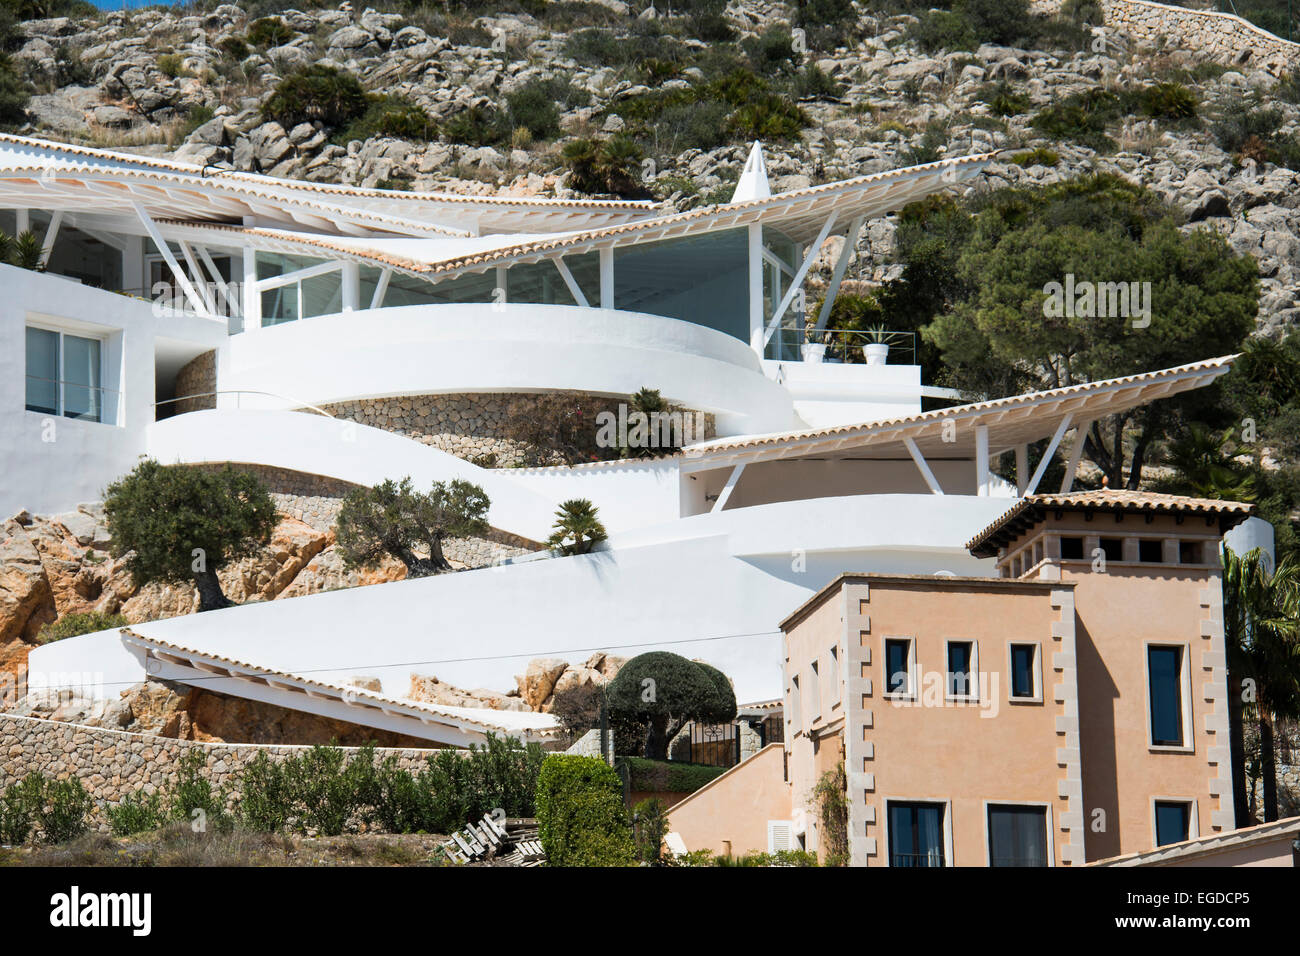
(103, 409)
(844, 346)
(298, 405)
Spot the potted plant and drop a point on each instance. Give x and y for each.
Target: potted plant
(814, 349)
(876, 351)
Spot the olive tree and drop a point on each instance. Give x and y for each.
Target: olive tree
(663, 692)
(178, 524)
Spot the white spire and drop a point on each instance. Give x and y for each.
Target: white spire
(753, 180)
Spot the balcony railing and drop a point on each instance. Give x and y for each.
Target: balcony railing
(68, 399)
(845, 346)
(296, 405)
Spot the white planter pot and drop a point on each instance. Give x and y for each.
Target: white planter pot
(813, 352)
(876, 353)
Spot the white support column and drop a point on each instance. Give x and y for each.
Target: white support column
(22, 221)
(502, 292)
(841, 264)
(381, 289)
(727, 489)
(196, 275)
(222, 286)
(607, 278)
(133, 274)
(151, 227)
(923, 466)
(982, 477)
(252, 296)
(797, 282)
(51, 234)
(351, 287)
(756, 341)
(1022, 469)
(1061, 429)
(574, 289)
(1076, 453)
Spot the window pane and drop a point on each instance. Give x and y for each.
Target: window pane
(1022, 670)
(280, 305)
(81, 392)
(42, 371)
(1164, 668)
(1173, 821)
(1017, 836)
(322, 295)
(896, 681)
(916, 834)
(959, 676)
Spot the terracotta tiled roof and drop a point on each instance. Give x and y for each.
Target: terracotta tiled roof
(1030, 510)
(350, 694)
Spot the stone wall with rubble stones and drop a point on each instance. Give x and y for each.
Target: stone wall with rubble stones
(196, 377)
(474, 427)
(113, 763)
(1222, 36)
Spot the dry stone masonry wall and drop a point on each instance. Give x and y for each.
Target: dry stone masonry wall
(1223, 36)
(197, 377)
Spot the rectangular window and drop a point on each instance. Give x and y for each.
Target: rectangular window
(898, 671)
(1112, 548)
(64, 375)
(1024, 676)
(1165, 678)
(1189, 552)
(1150, 551)
(916, 834)
(1173, 821)
(1017, 836)
(796, 724)
(835, 675)
(961, 671)
(1071, 549)
(814, 691)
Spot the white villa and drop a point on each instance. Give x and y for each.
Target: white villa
(205, 316)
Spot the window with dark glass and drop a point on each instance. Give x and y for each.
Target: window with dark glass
(1017, 836)
(1072, 549)
(916, 834)
(897, 678)
(63, 375)
(1173, 821)
(1022, 670)
(1150, 551)
(1112, 548)
(1189, 552)
(1165, 675)
(961, 681)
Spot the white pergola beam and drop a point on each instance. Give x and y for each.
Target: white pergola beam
(196, 274)
(151, 227)
(1076, 453)
(381, 289)
(224, 287)
(837, 276)
(922, 466)
(728, 488)
(574, 289)
(1061, 429)
(51, 234)
(289, 278)
(982, 477)
(797, 282)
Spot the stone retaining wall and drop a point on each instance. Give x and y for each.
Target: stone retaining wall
(113, 763)
(196, 377)
(1222, 36)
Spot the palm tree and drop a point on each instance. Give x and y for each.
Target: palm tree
(1261, 624)
(1204, 467)
(577, 529)
(26, 252)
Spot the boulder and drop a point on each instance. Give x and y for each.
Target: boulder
(538, 680)
(428, 689)
(325, 572)
(26, 601)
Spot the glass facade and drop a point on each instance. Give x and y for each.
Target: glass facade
(699, 279)
(316, 295)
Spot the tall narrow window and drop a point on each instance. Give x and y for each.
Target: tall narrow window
(1017, 836)
(898, 676)
(1024, 678)
(1173, 821)
(961, 677)
(1165, 676)
(916, 834)
(64, 375)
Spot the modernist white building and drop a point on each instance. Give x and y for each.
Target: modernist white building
(285, 301)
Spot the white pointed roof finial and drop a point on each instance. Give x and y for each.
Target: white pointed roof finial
(753, 180)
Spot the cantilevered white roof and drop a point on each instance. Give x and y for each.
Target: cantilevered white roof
(445, 724)
(800, 214)
(1011, 422)
(161, 185)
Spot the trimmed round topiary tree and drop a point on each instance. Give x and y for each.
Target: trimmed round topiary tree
(664, 691)
(581, 817)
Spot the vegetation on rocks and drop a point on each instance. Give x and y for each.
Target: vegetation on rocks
(72, 625)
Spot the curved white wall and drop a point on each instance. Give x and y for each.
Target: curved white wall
(717, 591)
(414, 350)
(317, 445)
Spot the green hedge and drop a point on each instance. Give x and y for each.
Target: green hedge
(581, 817)
(659, 775)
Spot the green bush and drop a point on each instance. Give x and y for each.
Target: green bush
(478, 126)
(234, 47)
(73, 625)
(1168, 101)
(604, 166)
(393, 116)
(264, 802)
(269, 31)
(14, 94)
(171, 64)
(136, 813)
(18, 807)
(1038, 156)
(668, 776)
(768, 117)
(780, 858)
(535, 106)
(1003, 98)
(191, 798)
(581, 817)
(1081, 118)
(63, 808)
(650, 824)
(317, 93)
